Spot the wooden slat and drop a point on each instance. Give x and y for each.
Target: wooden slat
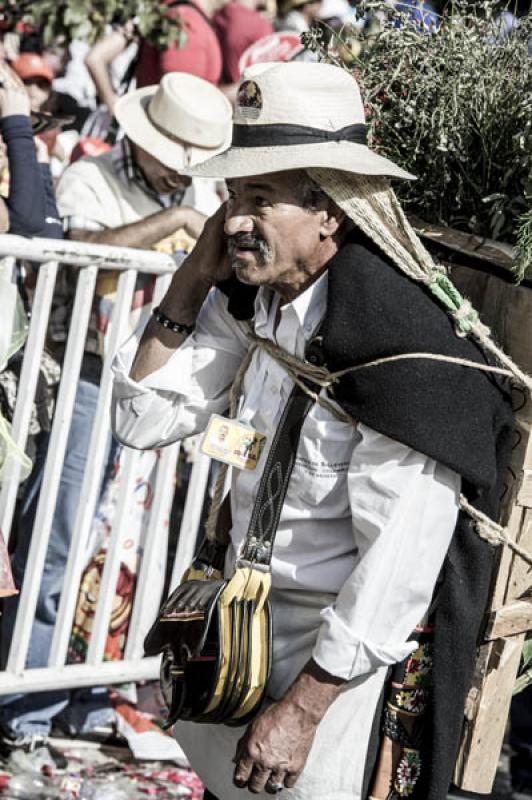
(520, 581)
(509, 620)
(488, 707)
(506, 309)
(497, 253)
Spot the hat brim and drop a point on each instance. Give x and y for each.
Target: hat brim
(131, 114)
(241, 162)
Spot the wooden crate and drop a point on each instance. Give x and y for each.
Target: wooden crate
(488, 282)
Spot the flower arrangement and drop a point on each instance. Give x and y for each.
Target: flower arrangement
(452, 106)
(64, 20)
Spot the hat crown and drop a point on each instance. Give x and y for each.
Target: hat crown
(190, 109)
(296, 93)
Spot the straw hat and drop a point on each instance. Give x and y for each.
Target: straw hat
(181, 121)
(294, 116)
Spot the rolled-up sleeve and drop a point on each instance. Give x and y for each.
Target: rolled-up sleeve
(177, 400)
(404, 508)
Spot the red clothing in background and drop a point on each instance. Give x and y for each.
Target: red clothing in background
(237, 28)
(200, 55)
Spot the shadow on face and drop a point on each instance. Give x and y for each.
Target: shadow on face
(160, 178)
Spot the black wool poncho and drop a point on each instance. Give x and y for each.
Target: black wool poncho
(457, 415)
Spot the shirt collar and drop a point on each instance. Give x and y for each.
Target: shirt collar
(128, 172)
(308, 308)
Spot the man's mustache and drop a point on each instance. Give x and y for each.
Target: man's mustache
(244, 241)
(250, 241)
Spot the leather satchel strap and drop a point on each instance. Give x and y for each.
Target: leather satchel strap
(278, 469)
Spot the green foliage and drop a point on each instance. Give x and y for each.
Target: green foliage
(65, 20)
(524, 678)
(523, 263)
(454, 108)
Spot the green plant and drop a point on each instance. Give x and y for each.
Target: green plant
(524, 678)
(65, 20)
(454, 108)
(523, 262)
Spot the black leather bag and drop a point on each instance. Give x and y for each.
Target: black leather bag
(215, 635)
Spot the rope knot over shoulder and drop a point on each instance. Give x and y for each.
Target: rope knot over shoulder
(459, 309)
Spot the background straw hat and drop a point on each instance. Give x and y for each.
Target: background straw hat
(181, 121)
(298, 115)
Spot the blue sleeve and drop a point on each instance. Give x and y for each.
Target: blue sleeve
(28, 200)
(53, 227)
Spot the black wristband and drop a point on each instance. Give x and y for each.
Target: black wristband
(175, 327)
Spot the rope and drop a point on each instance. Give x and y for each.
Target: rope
(493, 533)
(298, 369)
(486, 528)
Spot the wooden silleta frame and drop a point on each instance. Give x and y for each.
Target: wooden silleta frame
(482, 271)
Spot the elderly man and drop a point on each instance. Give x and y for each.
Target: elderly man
(312, 256)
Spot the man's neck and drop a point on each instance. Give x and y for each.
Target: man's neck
(300, 280)
(290, 291)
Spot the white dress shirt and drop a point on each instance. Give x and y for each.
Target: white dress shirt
(365, 518)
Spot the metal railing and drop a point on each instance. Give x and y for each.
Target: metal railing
(55, 255)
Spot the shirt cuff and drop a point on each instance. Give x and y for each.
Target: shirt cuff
(15, 126)
(175, 376)
(342, 653)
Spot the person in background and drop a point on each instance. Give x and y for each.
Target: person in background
(238, 24)
(199, 55)
(51, 62)
(37, 75)
(298, 15)
(133, 196)
(419, 13)
(26, 164)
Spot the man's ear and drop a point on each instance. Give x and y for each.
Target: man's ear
(332, 219)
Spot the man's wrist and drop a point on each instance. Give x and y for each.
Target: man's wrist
(313, 691)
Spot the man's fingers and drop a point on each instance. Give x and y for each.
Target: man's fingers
(291, 779)
(275, 782)
(258, 778)
(244, 765)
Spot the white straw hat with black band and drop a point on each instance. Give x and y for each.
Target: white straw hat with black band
(297, 115)
(181, 121)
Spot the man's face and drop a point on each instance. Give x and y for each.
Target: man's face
(39, 91)
(160, 178)
(272, 238)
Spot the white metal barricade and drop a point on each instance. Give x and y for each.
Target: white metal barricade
(55, 255)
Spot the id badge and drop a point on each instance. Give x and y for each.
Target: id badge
(232, 442)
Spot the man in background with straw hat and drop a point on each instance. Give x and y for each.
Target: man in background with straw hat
(133, 196)
(412, 422)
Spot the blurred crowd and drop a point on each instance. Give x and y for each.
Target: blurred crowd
(92, 139)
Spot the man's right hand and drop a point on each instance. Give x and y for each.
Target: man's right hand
(210, 256)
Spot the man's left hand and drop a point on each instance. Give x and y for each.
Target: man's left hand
(275, 747)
